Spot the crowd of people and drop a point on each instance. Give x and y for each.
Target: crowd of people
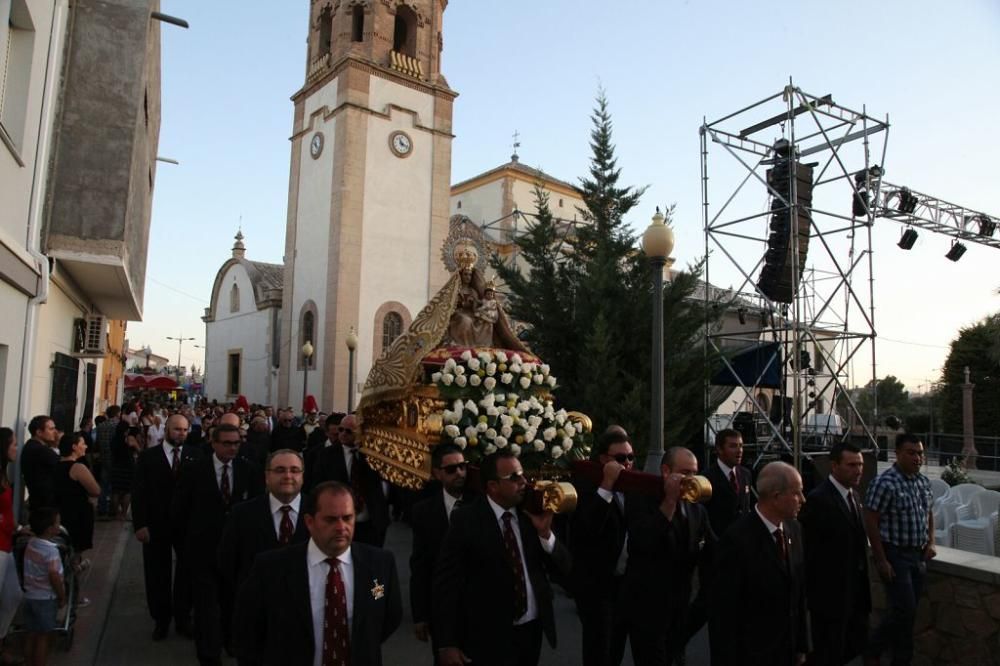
(262, 538)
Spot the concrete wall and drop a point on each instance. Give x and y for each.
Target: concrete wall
(247, 331)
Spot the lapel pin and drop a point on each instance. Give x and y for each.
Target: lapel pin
(378, 590)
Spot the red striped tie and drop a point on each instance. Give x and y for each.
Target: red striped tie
(336, 632)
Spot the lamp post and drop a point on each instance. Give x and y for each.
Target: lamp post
(307, 352)
(352, 344)
(657, 244)
(148, 352)
(180, 343)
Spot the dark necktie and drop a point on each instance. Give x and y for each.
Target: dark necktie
(175, 462)
(734, 482)
(336, 632)
(359, 498)
(224, 486)
(517, 566)
(286, 529)
(458, 504)
(853, 506)
(779, 540)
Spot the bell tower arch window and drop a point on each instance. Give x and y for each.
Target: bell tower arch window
(357, 23)
(234, 299)
(325, 31)
(391, 321)
(404, 36)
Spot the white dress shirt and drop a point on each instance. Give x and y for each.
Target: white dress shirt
(318, 572)
(767, 523)
(168, 451)
(619, 497)
(844, 491)
(726, 469)
(218, 472)
(449, 503)
(547, 545)
(276, 511)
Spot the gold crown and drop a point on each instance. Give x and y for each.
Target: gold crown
(491, 285)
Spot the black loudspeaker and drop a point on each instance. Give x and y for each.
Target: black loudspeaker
(743, 423)
(781, 410)
(777, 280)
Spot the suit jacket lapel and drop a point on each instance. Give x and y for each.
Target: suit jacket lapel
(769, 547)
(363, 581)
(339, 466)
(299, 587)
(267, 523)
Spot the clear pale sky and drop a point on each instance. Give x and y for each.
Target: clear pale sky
(535, 66)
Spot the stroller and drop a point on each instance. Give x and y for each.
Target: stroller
(67, 615)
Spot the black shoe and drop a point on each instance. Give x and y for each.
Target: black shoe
(183, 628)
(161, 631)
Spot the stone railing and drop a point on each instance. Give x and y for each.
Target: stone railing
(958, 620)
(406, 64)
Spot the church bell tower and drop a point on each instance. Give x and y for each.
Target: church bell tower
(368, 190)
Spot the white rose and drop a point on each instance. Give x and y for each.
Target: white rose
(474, 380)
(535, 404)
(534, 421)
(448, 380)
(491, 369)
(548, 414)
(482, 426)
(501, 442)
(489, 383)
(485, 357)
(452, 431)
(549, 434)
(515, 449)
(470, 431)
(448, 416)
(506, 420)
(491, 433)
(551, 381)
(449, 364)
(556, 452)
(516, 358)
(488, 400)
(529, 434)
(506, 378)
(539, 445)
(471, 406)
(436, 377)
(490, 449)
(506, 431)
(561, 416)
(459, 370)
(514, 412)
(460, 442)
(458, 406)
(539, 379)
(529, 367)
(501, 357)
(567, 444)
(544, 367)
(501, 397)
(492, 411)
(525, 382)
(461, 380)
(516, 369)
(501, 409)
(473, 364)
(570, 429)
(466, 355)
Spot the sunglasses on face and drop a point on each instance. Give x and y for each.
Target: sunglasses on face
(622, 458)
(516, 477)
(451, 469)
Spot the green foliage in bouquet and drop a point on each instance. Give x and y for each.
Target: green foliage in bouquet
(501, 401)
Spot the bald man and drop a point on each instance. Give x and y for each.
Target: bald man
(758, 603)
(152, 492)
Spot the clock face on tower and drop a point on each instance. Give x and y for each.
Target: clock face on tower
(400, 143)
(316, 145)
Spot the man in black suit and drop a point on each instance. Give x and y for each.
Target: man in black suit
(666, 546)
(265, 522)
(491, 600)
(39, 459)
(598, 541)
(286, 435)
(332, 436)
(758, 604)
(206, 492)
(328, 601)
(345, 463)
(430, 520)
(731, 491)
(156, 473)
(837, 589)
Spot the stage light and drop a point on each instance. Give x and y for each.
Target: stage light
(986, 225)
(956, 251)
(908, 238)
(906, 200)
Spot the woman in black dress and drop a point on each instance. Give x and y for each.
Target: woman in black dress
(124, 448)
(74, 486)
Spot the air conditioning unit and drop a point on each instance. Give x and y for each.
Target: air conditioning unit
(90, 336)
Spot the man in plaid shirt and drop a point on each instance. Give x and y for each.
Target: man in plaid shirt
(900, 527)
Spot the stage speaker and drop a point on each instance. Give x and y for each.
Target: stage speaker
(743, 423)
(778, 278)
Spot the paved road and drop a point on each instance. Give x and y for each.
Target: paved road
(115, 630)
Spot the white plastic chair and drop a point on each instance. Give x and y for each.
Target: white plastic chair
(977, 534)
(945, 516)
(964, 492)
(939, 489)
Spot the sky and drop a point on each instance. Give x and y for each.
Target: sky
(535, 67)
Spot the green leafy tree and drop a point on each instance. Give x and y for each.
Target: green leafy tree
(893, 400)
(975, 348)
(587, 305)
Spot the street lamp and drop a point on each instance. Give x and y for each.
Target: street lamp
(657, 244)
(180, 343)
(307, 352)
(352, 344)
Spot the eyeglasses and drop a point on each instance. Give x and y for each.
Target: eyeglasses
(516, 477)
(231, 445)
(345, 430)
(286, 470)
(451, 469)
(622, 458)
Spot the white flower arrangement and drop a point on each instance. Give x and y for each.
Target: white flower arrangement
(503, 402)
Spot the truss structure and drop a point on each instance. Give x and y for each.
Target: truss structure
(916, 209)
(502, 234)
(831, 313)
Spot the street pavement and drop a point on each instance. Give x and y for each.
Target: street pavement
(115, 629)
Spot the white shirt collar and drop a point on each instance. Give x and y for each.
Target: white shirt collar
(276, 503)
(449, 501)
(726, 469)
(767, 523)
(328, 443)
(315, 556)
(498, 510)
(219, 464)
(840, 488)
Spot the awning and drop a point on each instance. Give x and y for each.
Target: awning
(156, 382)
